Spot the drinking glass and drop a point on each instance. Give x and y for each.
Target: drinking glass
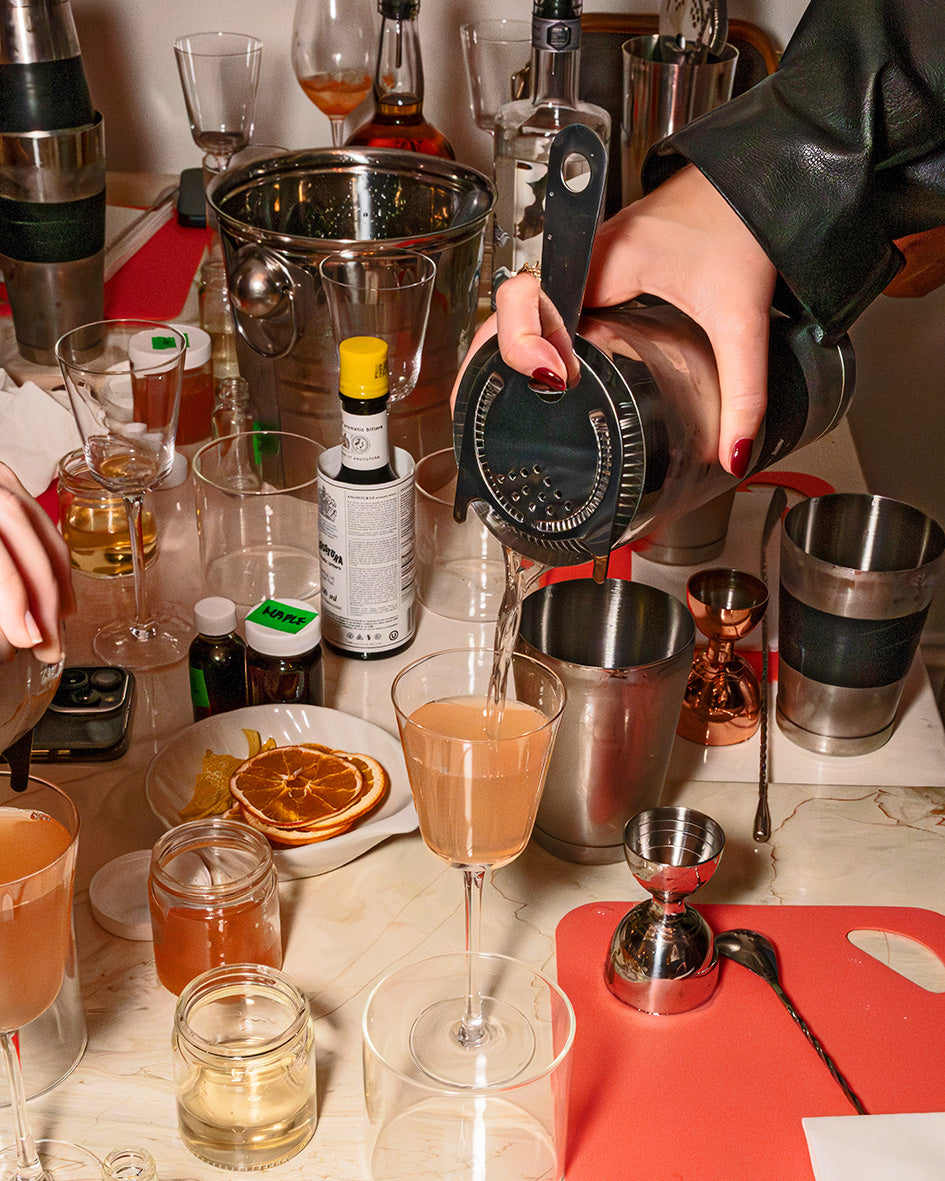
(333, 50)
(39, 829)
(219, 73)
(497, 56)
(476, 767)
(123, 378)
(376, 293)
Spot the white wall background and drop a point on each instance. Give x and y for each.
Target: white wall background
(128, 51)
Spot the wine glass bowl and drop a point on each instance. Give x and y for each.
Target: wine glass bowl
(476, 769)
(219, 74)
(123, 378)
(384, 294)
(333, 48)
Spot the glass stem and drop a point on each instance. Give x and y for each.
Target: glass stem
(337, 133)
(28, 1166)
(142, 627)
(472, 1029)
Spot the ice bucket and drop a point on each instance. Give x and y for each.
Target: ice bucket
(280, 215)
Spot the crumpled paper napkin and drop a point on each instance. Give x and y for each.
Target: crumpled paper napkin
(36, 429)
(893, 1147)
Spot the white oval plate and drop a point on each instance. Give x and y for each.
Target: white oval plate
(174, 769)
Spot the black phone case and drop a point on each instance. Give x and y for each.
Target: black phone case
(89, 717)
(191, 199)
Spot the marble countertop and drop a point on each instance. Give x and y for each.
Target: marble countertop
(863, 842)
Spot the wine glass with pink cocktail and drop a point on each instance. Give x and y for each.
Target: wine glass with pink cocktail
(477, 767)
(39, 830)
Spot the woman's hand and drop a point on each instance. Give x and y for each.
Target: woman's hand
(35, 574)
(682, 243)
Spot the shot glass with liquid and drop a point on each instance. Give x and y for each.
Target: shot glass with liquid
(94, 522)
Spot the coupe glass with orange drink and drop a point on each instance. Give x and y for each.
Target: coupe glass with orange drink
(477, 768)
(39, 830)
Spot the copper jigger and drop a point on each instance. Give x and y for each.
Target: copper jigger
(722, 703)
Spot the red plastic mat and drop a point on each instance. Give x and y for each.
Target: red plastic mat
(718, 1094)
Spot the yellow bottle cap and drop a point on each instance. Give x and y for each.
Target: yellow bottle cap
(363, 367)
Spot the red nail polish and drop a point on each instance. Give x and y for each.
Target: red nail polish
(740, 457)
(549, 378)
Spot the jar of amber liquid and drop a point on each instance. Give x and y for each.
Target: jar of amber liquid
(244, 1067)
(94, 522)
(214, 899)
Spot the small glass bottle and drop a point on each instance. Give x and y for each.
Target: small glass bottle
(398, 120)
(216, 318)
(244, 1067)
(233, 411)
(217, 659)
(525, 128)
(213, 895)
(366, 518)
(364, 391)
(284, 654)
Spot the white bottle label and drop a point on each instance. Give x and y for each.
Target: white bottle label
(364, 441)
(366, 556)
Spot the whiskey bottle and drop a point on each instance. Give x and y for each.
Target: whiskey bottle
(398, 120)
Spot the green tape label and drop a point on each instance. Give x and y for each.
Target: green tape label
(281, 618)
(160, 343)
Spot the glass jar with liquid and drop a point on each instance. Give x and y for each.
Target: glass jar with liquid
(244, 1067)
(214, 899)
(94, 523)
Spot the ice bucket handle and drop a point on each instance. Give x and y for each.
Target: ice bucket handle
(263, 296)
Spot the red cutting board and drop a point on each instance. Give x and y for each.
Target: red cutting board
(718, 1094)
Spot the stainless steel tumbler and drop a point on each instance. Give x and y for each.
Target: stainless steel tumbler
(623, 651)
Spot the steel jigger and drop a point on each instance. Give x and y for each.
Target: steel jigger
(662, 956)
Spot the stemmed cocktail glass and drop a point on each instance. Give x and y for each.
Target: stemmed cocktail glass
(476, 770)
(123, 378)
(333, 50)
(219, 74)
(39, 829)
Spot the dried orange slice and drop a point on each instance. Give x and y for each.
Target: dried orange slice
(292, 836)
(296, 786)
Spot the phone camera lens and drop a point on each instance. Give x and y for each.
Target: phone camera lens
(106, 679)
(86, 697)
(74, 678)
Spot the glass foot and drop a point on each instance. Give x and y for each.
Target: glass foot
(165, 641)
(504, 1050)
(61, 1161)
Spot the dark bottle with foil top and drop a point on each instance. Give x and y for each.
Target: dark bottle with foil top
(398, 120)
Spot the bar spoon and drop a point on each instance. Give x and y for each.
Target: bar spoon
(756, 953)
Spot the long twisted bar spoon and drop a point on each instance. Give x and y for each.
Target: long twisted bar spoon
(762, 829)
(756, 953)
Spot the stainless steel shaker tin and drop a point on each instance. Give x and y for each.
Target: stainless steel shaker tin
(623, 651)
(566, 477)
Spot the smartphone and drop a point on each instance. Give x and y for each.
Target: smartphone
(89, 717)
(192, 199)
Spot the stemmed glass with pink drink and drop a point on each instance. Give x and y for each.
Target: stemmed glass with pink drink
(39, 830)
(476, 768)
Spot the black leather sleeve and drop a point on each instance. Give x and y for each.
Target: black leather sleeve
(835, 155)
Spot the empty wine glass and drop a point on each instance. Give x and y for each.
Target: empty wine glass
(123, 378)
(333, 50)
(384, 294)
(219, 73)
